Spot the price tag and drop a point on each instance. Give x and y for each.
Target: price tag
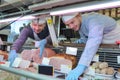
(65, 68)
(24, 64)
(96, 58)
(16, 62)
(45, 61)
(118, 59)
(71, 50)
(7, 64)
(1, 57)
(8, 48)
(90, 71)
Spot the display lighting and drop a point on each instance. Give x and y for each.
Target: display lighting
(17, 18)
(88, 7)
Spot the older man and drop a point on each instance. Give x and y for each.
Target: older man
(38, 31)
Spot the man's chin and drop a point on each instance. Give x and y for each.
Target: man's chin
(37, 32)
(76, 29)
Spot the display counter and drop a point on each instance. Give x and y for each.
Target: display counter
(28, 74)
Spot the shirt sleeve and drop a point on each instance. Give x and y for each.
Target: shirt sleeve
(94, 40)
(21, 39)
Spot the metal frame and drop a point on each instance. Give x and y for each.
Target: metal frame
(28, 74)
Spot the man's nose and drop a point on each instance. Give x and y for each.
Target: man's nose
(37, 27)
(71, 26)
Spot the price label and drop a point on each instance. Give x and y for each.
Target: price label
(71, 50)
(7, 64)
(16, 62)
(1, 57)
(65, 68)
(90, 71)
(24, 64)
(8, 48)
(96, 58)
(45, 61)
(118, 59)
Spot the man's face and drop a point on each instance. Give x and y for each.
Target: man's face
(74, 23)
(38, 27)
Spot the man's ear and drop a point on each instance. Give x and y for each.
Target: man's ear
(30, 24)
(78, 15)
(44, 24)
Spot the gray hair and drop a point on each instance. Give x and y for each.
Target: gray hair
(39, 20)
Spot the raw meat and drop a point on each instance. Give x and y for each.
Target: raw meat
(33, 55)
(56, 62)
(26, 55)
(47, 53)
(62, 58)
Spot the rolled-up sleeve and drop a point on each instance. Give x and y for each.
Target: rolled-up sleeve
(21, 40)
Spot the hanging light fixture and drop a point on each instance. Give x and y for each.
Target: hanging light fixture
(17, 18)
(89, 6)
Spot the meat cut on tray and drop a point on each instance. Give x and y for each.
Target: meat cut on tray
(33, 55)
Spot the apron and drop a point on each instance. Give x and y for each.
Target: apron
(37, 39)
(112, 36)
(36, 36)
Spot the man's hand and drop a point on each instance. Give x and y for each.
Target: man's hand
(42, 46)
(76, 72)
(12, 56)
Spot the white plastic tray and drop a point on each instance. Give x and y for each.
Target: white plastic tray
(117, 75)
(99, 76)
